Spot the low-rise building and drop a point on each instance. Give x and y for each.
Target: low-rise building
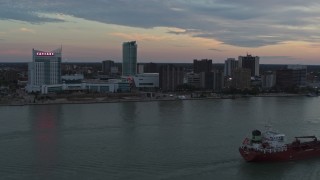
(147, 81)
(99, 87)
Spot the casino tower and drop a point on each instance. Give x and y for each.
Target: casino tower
(45, 69)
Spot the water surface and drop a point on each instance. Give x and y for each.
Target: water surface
(196, 139)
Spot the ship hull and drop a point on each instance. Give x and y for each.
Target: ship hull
(288, 155)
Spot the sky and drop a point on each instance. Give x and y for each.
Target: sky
(279, 32)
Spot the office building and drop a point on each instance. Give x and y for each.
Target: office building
(129, 61)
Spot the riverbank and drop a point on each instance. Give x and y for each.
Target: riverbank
(89, 100)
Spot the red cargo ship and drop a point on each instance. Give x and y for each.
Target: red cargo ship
(270, 147)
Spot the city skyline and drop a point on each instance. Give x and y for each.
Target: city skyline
(176, 31)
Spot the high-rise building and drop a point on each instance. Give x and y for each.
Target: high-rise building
(204, 65)
(229, 65)
(45, 69)
(170, 77)
(250, 62)
(106, 66)
(129, 61)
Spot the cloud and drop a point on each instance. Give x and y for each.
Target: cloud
(30, 17)
(278, 58)
(176, 31)
(27, 30)
(245, 23)
(177, 9)
(275, 57)
(139, 37)
(315, 45)
(214, 49)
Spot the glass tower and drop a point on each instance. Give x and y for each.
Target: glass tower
(129, 61)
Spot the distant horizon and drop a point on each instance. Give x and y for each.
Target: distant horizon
(156, 63)
(271, 59)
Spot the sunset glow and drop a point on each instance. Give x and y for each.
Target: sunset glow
(165, 31)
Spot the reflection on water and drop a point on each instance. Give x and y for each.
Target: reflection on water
(171, 110)
(264, 170)
(128, 112)
(305, 169)
(45, 127)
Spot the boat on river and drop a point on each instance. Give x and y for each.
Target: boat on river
(270, 146)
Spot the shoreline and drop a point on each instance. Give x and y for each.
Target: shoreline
(124, 100)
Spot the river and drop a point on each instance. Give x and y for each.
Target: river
(191, 139)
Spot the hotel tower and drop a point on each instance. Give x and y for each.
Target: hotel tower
(45, 69)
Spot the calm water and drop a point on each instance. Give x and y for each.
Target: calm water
(151, 140)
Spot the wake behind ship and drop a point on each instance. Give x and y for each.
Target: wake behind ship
(270, 146)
